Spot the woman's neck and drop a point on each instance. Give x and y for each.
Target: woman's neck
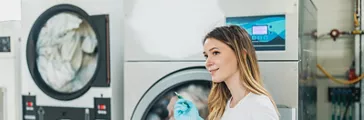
(237, 90)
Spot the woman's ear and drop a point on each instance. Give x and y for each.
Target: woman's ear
(245, 52)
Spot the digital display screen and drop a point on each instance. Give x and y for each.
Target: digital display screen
(260, 30)
(268, 33)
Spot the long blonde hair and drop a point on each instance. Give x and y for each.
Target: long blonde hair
(239, 41)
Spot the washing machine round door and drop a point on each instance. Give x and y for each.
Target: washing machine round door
(157, 103)
(62, 52)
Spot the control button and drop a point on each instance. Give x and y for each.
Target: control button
(30, 104)
(265, 38)
(254, 37)
(101, 107)
(102, 112)
(260, 37)
(29, 117)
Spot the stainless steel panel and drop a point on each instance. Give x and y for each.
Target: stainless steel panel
(2, 104)
(307, 109)
(287, 113)
(281, 80)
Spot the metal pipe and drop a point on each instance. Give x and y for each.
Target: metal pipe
(356, 14)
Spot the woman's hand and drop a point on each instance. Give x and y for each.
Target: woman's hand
(185, 110)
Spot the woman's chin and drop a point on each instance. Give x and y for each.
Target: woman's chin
(216, 80)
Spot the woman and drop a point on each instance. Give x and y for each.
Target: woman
(237, 91)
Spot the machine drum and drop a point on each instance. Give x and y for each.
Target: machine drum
(64, 50)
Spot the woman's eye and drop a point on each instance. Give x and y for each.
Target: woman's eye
(216, 53)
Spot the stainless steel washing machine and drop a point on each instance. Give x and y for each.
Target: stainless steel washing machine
(72, 53)
(163, 55)
(164, 52)
(10, 79)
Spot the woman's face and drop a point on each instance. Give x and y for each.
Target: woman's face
(221, 61)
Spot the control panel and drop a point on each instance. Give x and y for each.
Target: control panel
(268, 33)
(5, 44)
(102, 108)
(29, 108)
(32, 111)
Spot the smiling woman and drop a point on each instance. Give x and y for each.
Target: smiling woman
(227, 62)
(237, 90)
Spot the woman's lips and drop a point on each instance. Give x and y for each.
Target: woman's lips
(213, 71)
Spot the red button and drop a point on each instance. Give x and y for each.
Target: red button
(101, 107)
(29, 104)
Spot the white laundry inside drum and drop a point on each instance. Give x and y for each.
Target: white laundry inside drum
(67, 55)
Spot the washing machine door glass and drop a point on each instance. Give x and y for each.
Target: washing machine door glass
(196, 91)
(193, 84)
(67, 55)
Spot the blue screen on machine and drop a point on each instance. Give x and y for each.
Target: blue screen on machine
(268, 33)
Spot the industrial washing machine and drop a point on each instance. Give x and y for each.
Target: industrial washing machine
(284, 35)
(163, 55)
(72, 59)
(164, 52)
(10, 79)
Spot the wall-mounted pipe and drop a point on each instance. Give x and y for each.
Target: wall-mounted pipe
(335, 33)
(346, 82)
(356, 14)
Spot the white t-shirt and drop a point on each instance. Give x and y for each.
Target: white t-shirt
(251, 107)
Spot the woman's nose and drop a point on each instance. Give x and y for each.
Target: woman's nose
(208, 62)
